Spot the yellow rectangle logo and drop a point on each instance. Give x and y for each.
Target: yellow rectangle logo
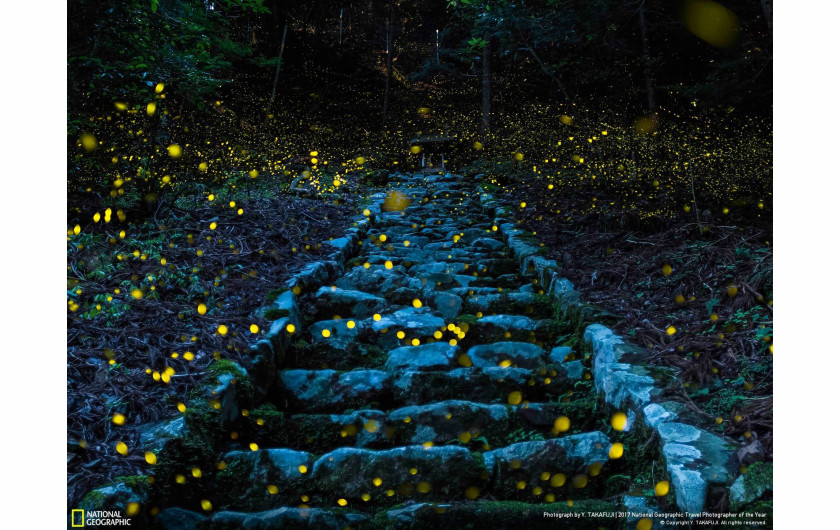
(74, 518)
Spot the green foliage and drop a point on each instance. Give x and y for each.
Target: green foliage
(174, 54)
(179, 42)
(723, 401)
(523, 435)
(477, 43)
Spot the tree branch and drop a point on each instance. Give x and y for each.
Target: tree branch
(546, 71)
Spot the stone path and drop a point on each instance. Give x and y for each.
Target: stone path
(455, 347)
(424, 387)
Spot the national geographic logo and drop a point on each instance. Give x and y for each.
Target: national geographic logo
(81, 519)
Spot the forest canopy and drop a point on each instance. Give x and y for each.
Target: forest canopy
(241, 86)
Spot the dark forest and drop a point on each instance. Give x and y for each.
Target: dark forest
(419, 263)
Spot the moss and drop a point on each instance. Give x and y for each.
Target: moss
(642, 464)
(722, 401)
(582, 408)
(544, 306)
(92, 501)
(313, 433)
(526, 238)
(244, 386)
(756, 478)
(478, 460)
(139, 482)
(372, 356)
(550, 331)
(763, 507)
(662, 374)
(319, 355)
(575, 316)
(275, 314)
(274, 294)
(224, 366)
(233, 480)
(540, 308)
(468, 319)
(273, 430)
(198, 448)
(266, 409)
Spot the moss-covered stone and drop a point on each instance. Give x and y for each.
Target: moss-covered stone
(275, 314)
(333, 391)
(537, 306)
(754, 482)
(274, 294)
(322, 355)
(118, 496)
(245, 480)
(134, 481)
(266, 426)
(484, 385)
(233, 481)
(437, 473)
(92, 500)
(197, 449)
(527, 469)
(356, 262)
(314, 433)
(225, 387)
(244, 387)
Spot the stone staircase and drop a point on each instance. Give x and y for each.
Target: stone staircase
(425, 386)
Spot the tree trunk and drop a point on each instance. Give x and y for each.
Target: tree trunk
(646, 60)
(388, 61)
(767, 7)
(279, 62)
(485, 88)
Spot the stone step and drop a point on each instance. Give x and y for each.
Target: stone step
(460, 412)
(414, 333)
(480, 424)
(488, 385)
(377, 279)
(516, 302)
(506, 327)
(334, 391)
(428, 309)
(267, 478)
(348, 303)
